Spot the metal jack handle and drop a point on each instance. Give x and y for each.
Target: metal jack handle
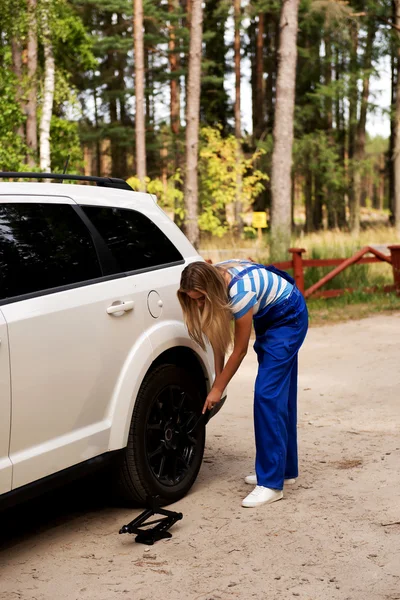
(146, 535)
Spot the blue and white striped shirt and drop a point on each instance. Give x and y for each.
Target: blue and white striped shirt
(257, 289)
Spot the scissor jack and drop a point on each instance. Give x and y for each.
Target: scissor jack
(146, 535)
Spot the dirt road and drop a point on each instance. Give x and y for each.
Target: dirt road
(334, 536)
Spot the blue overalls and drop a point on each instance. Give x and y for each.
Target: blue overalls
(280, 331)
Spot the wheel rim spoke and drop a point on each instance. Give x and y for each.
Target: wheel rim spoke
(162, 464)
(156, 452)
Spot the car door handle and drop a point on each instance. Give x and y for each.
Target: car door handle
(120, 308)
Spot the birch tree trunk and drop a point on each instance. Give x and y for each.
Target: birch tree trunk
(48, 92)
(281, 184)
(396, 154)
(139, 92)
(192, 125)
(31, 105)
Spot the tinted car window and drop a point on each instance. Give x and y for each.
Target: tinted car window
(135, 241)
(43, 246)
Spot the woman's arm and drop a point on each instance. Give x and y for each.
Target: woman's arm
(219, 360)
(241, 343)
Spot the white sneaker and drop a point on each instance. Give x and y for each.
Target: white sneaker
(261, 495)
(252, 480)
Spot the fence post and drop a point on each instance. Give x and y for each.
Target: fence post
(298, 272)
(395, 254)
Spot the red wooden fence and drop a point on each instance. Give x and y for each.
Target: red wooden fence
(298, 264)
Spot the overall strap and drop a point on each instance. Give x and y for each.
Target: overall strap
(239, 276)
(269, 268)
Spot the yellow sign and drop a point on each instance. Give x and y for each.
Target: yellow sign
(259, 220)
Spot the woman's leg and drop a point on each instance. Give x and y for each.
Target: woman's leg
(271, 404)
(275, 401)
(291, 468)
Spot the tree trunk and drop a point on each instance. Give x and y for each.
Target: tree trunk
(340, 202)
(139, 93)
(359, 149)
(123, 117)
(330, 195)
(251, 32)
(48, 92)
(381, 184)
(390, 159)
(353, 103)
(192, 125)
(187, 22)
(396, 157)
(31, 105)
(238, 122)
(260, 87)
(283, 131)
(16, 51)
(96, 123)
(271, 65)
(308, 196)
(318, 203)
(174, 67)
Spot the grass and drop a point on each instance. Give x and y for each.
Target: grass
(327, 244)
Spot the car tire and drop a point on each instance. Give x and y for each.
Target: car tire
(166, 438)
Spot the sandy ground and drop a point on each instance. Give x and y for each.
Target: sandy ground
(335, 535)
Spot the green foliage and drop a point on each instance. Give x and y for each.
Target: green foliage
(221, 165)
(317, 153)
(65, 143)
(12, 147)
(214, 108)
(73, 47)
(169, 194)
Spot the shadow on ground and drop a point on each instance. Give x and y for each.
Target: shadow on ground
(61, 506)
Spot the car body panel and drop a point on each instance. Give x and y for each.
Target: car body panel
(5, 410)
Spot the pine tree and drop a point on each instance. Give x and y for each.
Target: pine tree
(283, 131)
(192, 125)
(396, 149)
(139, 94)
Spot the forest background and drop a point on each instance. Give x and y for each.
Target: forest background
(179, 97)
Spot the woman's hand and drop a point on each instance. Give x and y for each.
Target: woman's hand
(212, 399)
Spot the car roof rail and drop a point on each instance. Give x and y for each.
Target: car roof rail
(110, 182)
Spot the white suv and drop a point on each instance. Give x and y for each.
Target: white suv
(95, 361)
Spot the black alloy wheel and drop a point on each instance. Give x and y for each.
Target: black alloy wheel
(166, 439)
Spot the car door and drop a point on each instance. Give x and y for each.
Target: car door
(5, 405)
(71, 328)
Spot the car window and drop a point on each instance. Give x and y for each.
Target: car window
(43, 246)
(135, 241)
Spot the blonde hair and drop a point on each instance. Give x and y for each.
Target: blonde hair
(214, 319)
